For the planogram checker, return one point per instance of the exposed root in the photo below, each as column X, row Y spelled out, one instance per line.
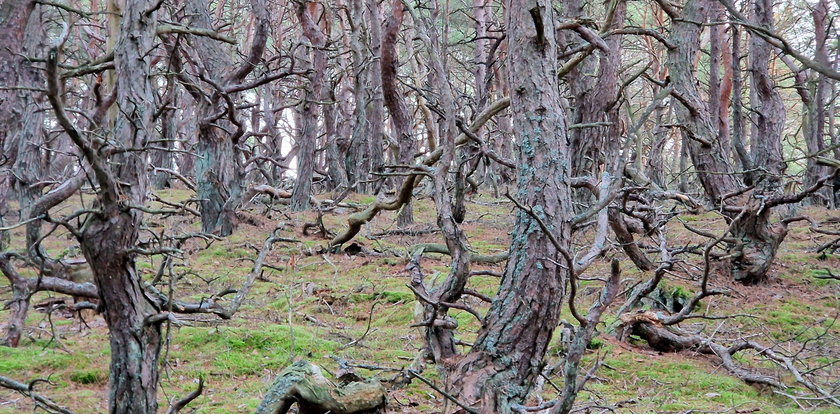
column 304, row 384
column 649, row 327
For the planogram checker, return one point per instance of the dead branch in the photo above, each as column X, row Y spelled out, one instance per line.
column 27, row 390
column 474, row 258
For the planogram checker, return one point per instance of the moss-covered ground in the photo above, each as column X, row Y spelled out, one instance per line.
column 315, row 306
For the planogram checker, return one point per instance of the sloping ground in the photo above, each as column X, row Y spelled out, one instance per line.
column 358, row 308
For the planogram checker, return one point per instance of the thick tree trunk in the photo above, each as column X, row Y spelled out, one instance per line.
column 595, row 100
column 109, row 236
column 308, row 14
column 21, row 122
column 21, row 136
column 135, row 341
column 215, row 169
column 376, row 107
column 757, row 240
column 218, row 172
column 699, row 133
column 395, row 100
column 217, row 162
column 508, row 353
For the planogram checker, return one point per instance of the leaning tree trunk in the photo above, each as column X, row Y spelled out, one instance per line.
column 508, row 353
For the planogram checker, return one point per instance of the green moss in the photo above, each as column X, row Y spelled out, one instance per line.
column 595, row 343
column 87, row 377
column 386, row 296
column 243, row 351
column 32, row 357
column 813, row 275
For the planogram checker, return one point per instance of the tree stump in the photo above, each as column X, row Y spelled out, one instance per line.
column 304, row 384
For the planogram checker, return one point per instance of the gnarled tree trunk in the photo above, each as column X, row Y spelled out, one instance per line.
column 394, row 99
column 308, row 15
column 218, row 170
column 508, row 353
column 756, row 239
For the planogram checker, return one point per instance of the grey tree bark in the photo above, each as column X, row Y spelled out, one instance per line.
column 218, row 172
column 109, row 236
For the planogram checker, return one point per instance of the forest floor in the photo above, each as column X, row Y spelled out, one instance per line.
column 358, row 307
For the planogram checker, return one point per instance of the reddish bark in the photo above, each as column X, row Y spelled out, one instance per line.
column 394, row 98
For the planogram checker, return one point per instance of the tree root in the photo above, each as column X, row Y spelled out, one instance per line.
column 649, row 327
column 304, row 384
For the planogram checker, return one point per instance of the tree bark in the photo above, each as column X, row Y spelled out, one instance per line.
column 358, row 160
column 20, row 122
column 508, row 353
column 302, row 383
column 218, row 170
column 756, row 238
column 108, row 236
column 376, row 107
column 164, row 157
column 395, row 100
column 308, row 14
